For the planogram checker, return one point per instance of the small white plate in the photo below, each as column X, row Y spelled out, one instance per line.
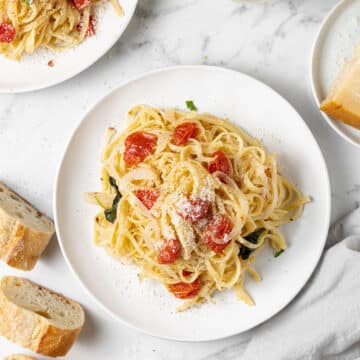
column 32, row 71
column 148, row 306
column 337, row 38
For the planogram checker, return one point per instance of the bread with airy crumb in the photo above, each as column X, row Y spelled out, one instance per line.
column 19, row 357
column 24, row 231
column 37, row 318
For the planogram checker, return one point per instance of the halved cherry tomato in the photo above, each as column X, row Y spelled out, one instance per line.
column 220, row 163
column 194, row 209
column 81, row 4
column 217, row 248
column 186, row 273
column 138, row 146
column 184, row 290
column 184, row 132
column 215, row 233
column 147, row 197
column 169, row 252
column 7, row 33
column 90, row 31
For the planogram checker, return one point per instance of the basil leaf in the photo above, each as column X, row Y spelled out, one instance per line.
column 279, row 252
column 110, row 214
column 190, row 105
column 253, row 238
column 112, row 182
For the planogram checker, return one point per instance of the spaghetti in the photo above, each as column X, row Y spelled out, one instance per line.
column 191, row 199
column 26, row 25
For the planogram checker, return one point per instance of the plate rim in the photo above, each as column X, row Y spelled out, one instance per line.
column 313, row 69
column 70, row 75
column 92, row 296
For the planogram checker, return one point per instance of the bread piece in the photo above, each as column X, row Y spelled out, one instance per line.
column 24, row 231
column 19, row 357
column 343, row 101
column 37, row 318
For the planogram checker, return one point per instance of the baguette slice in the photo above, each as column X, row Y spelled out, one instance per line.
column 24, row 231
column 19, row 357
column 37, row 318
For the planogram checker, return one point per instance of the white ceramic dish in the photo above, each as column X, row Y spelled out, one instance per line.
column 32, row 71
column 148, row 306
column 338, row 35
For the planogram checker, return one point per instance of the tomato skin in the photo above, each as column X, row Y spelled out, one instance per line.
column 184, row 132
column 194, row 210
column 215, row 233
column 217, row 248
column 169, row 252
column 147, row 197
column 184, row 290
column 7, row 33
column 90, row 31
column 81, row 4
column 138, row 146
column 220, row 163
column 186, row 273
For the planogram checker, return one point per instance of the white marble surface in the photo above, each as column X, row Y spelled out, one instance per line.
column 270, row 41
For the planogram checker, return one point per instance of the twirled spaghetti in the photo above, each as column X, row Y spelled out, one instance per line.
column 191, row 199
column 26, row 25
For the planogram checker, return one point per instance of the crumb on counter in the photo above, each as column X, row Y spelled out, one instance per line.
column 51, row 63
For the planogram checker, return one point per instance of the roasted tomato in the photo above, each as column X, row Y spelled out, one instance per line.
column 184, row 290
column 216, row 233
column 220, row 163
column 194, row 210
column 184, row 132
column 90, row 31
column 7, row 33
column 81, row 4
column 169, row 252
column 186, row 273
column 147, row 197
column 138, row 146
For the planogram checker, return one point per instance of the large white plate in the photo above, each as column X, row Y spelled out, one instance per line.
column 335, row 43
column 148, row 306
column 32, row 71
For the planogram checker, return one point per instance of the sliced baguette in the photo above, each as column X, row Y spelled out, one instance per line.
column 19, row 357
column 37, row 318
column 24, row 231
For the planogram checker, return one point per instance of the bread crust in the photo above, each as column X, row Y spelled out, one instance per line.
column 32, row 330
column 19, row 357
column 21, row 246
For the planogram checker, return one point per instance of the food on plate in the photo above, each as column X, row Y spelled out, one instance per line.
column 26, row 25
column 39, row 319
column 343, row 100
column 24, row 231
column 19, row 357
column 191, row 199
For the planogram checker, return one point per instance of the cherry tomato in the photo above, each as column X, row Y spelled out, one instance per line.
column 90, row 31
column 147, row 197
column 220, row 163
column 7, row 33
column 169, row 252
column 186, row 273
column 138, row 146
column 184, row 290
column 194, row 210
column 215, row 235
column 183, row 132
column 81, row 4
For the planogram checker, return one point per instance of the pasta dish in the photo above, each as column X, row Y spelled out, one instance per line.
column 191, row 199
column 26, row 25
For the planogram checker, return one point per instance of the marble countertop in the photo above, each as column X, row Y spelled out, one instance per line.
column 270, row 40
